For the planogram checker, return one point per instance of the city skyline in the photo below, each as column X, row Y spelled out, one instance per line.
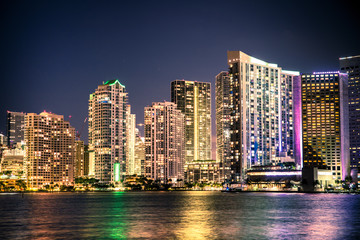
column 63, row 53
column 179, row 119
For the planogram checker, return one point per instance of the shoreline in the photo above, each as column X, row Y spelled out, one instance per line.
column 124, row 191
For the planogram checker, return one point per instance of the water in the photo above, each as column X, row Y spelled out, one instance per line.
column 179, row 215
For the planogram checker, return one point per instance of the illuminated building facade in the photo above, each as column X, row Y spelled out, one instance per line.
column 139, row 156
column 194, row 100
column 325, row 122
column 107, row 132
column 49, row 150
column 12, row 160
column 280, row 173
column 287, row 79
column 222, row 104
column 164, row 142
column 130, row 142
column 3, row 140
column 351, row 65
column 261, row 113
column 15, row 128
column 203, row 171
column 81, row 166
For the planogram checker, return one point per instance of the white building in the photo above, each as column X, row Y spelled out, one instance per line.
column 261, row 113
column 107, row 132
column 164, row 142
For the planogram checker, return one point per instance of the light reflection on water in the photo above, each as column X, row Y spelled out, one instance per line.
column 179, row 215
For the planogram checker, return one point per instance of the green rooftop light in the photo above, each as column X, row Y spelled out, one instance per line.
column 112, row 82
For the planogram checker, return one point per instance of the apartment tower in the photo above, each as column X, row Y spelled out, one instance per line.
column 194, row 100
column 49, row 150
column 164, row 142
column 81, row 166
column 130, row 142
column 222, row 104
column 107, row 131
column 261, row 113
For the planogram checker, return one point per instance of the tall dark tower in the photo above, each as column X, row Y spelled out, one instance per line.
column 15, row 127
column 351, row 65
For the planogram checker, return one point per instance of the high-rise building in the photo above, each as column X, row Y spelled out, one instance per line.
column 139, row 154
column 79, row 163
column 49, row 150
column 107, row 132
column 287, row 79
column 222, row 94
column 351, row 65
column 260, row 97
column 130, row 142
column 164, row 142
column 86, row 160
column 194, row 100
column 15, row 128
column 325, row 119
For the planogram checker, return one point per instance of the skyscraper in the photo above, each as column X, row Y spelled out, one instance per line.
column 49, row 150
column 194, row 100
column 351, row 65
column 139, row 156
column 287, row 79
column 107, row 131
column 130, row 142
column 79, row 163
column 222, row 103
column 164, row 142
column 15, row 127
column 325, row 122
column 260, row 96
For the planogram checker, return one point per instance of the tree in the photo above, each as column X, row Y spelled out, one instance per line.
column 80, row 180
column 189, row 185
column 21, row 185
column 2, row 186
column 348, row 179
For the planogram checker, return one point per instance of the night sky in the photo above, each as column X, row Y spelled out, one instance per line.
column 55, row 53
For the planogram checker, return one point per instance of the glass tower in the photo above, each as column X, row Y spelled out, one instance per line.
column 261, row 113
column 222, row 94
column 15, row 128
column 351, row 65
column 194, row 100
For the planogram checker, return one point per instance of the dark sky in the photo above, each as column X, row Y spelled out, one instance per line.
column 55, row 53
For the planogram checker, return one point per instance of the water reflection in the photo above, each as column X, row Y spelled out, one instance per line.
column 197, row 219
column 117, row 223
column 179, row 215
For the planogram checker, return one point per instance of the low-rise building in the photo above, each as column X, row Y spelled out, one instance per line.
column 204, row 171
